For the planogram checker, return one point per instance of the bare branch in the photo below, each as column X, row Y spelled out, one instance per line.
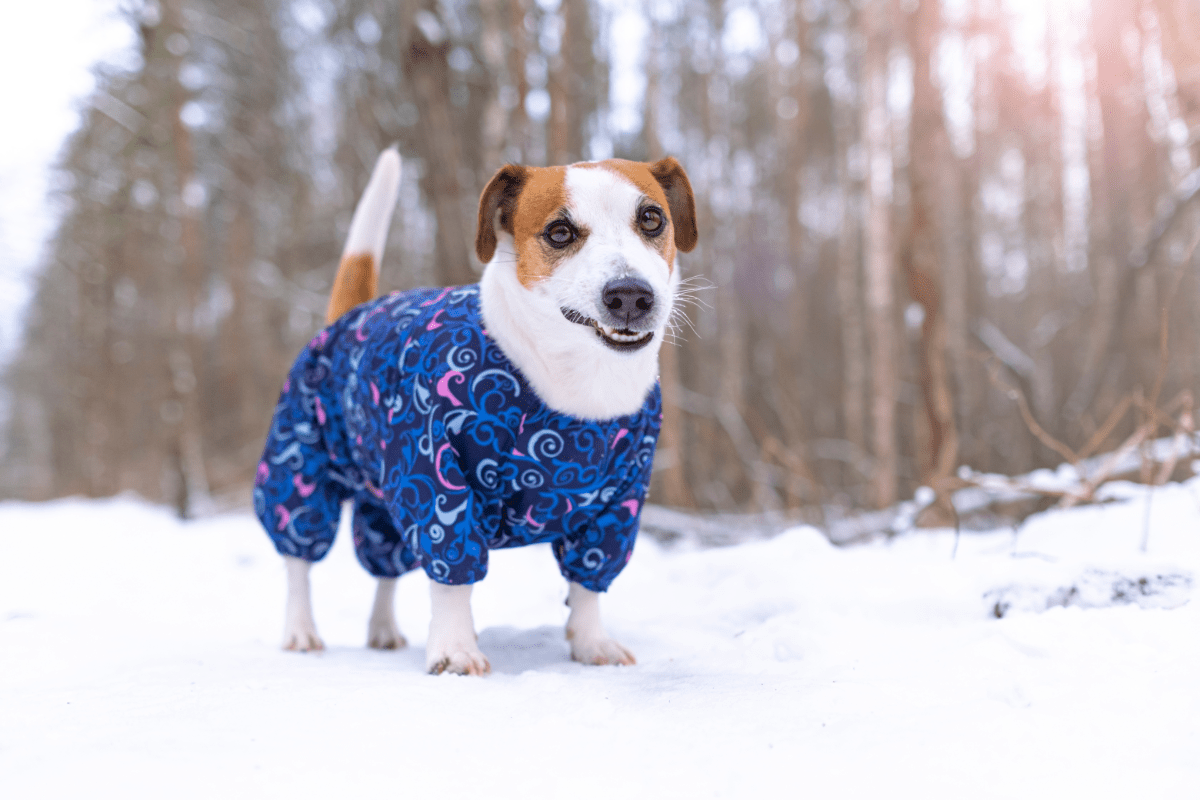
column 993, row 368
column 1104, row 431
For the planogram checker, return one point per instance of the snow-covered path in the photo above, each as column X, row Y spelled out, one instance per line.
column 139, row 658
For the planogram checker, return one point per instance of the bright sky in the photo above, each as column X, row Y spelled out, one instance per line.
column 47, row 50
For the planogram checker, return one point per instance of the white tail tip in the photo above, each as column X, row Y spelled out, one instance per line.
column 369, row 227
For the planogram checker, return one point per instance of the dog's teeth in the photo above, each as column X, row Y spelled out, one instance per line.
column 617, row 336
column 621, row 336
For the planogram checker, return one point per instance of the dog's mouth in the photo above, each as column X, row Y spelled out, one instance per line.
column 622, row 340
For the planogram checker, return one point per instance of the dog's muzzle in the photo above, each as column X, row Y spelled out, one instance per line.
column 626, row 314
column 623, row 340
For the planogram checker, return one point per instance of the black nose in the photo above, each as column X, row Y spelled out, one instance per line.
column 626, row 301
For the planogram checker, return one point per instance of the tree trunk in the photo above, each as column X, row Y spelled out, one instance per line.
column 441, row 151
column 849, row 287
column 518, row 55
column 878, row 257
column 1116, row 200
column 492, row 48
column 928, row 164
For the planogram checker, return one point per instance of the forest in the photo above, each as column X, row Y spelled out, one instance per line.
column 938, row 240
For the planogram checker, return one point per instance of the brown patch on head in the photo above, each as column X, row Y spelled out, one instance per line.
column 527, row 199
column 675, row 185
column 545, row 195
column 356, row 282
column 500, row 195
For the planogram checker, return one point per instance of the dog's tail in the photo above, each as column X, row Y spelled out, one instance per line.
column 357, row 278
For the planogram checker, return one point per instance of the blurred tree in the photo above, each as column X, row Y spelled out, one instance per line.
column 1028, row 174
column 879, row 255
column 930, row 178
column 1124, row 190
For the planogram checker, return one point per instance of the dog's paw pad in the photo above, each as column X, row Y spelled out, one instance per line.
column 385, row 637
column 387, row 642
column 459, row 662
column 601, row 651
column 302, row 641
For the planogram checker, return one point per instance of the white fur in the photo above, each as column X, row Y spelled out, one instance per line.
column 590, row 642
column 382, row 631
column 568, row 366
column 299, row 629
column 452, row 645
column 369, row 226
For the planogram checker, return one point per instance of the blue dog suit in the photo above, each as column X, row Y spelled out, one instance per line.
column 406, row 406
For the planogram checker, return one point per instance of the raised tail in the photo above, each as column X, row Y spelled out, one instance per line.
column 357, row 278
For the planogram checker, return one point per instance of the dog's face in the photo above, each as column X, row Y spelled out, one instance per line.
column 597, row 239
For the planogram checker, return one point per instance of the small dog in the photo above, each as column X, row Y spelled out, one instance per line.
column 523, row 409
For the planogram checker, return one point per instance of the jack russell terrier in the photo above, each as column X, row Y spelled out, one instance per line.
column 523, row 409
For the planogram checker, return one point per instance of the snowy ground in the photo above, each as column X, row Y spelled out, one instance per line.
column 139, row 658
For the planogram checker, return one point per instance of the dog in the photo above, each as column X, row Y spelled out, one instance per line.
column 518, row 410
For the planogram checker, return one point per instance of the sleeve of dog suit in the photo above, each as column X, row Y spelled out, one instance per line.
column 594, row 557
column 298, row 486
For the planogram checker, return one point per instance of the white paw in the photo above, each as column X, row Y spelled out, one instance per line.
column 451, row 646
column 461, row 659
column 302, row 637
column 599, row 650
column 384, row 635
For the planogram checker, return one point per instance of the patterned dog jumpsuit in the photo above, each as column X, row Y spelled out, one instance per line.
column 407, row 407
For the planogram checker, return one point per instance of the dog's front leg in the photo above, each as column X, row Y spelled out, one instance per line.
column 299, row 629
column 590, row 643
column 452, row 645
column 382, row 631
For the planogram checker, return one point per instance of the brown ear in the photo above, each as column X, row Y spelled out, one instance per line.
column 500, row 196
column 678, row 189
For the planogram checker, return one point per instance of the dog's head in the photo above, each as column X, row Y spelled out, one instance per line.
column 597, row 239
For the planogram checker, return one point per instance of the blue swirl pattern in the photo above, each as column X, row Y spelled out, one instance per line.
column 406, row 407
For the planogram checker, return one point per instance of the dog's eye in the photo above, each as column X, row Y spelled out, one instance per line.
column 650, row 220
column 560, row 234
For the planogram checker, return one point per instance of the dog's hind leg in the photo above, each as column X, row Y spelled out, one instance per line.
column 452, row 645
column 590, row 643
column 299, row 629
column 381, row 550
column 382, row 631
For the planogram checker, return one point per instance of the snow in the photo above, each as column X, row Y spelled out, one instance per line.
column 139, row 657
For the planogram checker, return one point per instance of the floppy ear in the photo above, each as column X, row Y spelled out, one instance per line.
column 678, row 189
column 500, row 196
